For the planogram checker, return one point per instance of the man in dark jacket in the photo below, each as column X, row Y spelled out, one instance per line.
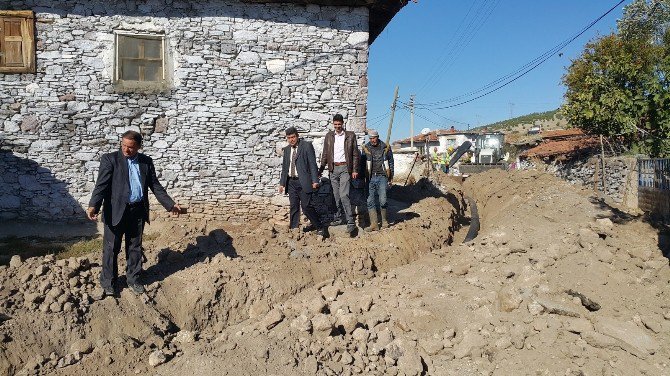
column 122, row 188
column 341, row 155
column 299, row 178
column 379, row 167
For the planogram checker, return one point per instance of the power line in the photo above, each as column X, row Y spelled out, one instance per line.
column 508, row 79
column 481, row 16
column 409, row 105
column 455, row 37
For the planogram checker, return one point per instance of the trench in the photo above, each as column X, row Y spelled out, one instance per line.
column 251, row 284
column 209, row 277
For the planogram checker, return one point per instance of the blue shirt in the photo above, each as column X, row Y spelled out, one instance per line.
column 135, row 180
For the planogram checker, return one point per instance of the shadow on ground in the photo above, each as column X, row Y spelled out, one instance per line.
column 170, row 261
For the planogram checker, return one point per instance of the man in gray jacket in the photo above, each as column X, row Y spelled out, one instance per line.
column 341, row 155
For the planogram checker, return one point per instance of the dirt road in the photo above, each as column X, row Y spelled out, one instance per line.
column 555, row 283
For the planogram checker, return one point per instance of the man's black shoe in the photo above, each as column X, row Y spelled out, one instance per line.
column 108, row 291
column 337, row 222
column 309, row 228
column 137, row 288
column 323, row 232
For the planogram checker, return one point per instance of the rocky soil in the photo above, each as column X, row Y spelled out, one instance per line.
column 555, row 283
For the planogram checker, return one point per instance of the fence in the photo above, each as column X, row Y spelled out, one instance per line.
column 654, row 187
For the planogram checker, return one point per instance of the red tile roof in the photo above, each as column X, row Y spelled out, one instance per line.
column 432, row 136
column 562, row 133
column 567, row 147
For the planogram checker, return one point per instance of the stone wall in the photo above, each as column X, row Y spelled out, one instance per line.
column 655, row 202
column 620, row 177
column 240, row 74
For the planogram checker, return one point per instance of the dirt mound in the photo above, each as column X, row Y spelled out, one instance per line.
column 555, row 283
column 202, row 279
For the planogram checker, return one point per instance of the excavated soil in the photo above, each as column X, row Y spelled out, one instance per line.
column 556, row 283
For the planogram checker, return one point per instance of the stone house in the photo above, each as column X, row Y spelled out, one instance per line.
column 211, row 84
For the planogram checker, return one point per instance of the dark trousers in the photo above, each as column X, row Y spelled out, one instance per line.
column 298, row 198
column 130, row 228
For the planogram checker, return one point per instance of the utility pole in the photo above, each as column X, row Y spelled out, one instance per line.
column 511, row 110
column 395, row 100
column 411, row 121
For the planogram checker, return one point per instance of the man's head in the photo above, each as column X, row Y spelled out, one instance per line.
column 435, row 149
column 374, row 137
column 338, row 123
column 292, row 136
column 131, row 142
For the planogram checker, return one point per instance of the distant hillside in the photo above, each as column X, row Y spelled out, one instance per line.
column 548, row 120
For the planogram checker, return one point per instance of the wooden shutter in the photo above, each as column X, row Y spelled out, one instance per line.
column 17, row 41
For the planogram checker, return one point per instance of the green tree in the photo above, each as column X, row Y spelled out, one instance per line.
column 647, row 20
column 619, row 86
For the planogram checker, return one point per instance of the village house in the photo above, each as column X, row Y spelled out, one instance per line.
column 211, row 84
column 443, row 139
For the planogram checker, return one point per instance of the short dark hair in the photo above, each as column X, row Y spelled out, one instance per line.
column 338, row 117
column 291, row 131
column 132, row 135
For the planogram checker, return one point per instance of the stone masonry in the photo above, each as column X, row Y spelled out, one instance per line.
column 239, row 75
column 620, row 176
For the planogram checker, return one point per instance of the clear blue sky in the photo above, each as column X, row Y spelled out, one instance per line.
column 440, row 49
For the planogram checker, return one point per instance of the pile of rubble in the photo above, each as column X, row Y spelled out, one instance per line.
column 556, row 283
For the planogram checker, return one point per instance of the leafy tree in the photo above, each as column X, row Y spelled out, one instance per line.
column 646, row 20
column 619, row 87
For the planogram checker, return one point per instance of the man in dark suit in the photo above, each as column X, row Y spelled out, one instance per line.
column 299, row 178
column 122, row 188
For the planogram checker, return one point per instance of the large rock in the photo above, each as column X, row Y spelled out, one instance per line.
column 185, row 336
column 410, row 363
column 15, row 261
column 471, row 340
column 83, row 346
column 157, row 358
column 588, row 239
column 330, row 293
column 432, row 345
column 631, row 338
column 302, row 323
column 322, row 324
column 599, row 340
column 315, row 116
column 347, row 321
column 273, row 318
column 357, row 38
column 508, row 299
column 557, row 308
column 577, row 325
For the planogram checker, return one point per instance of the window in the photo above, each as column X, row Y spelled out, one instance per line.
column 140, row 60
column 17, row 41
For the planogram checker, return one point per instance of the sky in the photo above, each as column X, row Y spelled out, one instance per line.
column 444, row 49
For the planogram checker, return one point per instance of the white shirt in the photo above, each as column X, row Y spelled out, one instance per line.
column 338, row 149
column 291, row 165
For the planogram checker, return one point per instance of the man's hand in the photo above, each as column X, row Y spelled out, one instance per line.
column 176, row 209
column 91, row 214
column 315, row 185
column 280, row 189
column 354, row 175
